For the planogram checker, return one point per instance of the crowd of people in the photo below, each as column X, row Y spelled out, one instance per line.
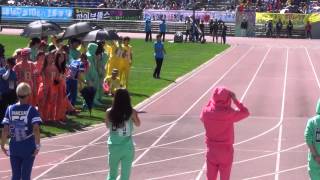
column 57, row 72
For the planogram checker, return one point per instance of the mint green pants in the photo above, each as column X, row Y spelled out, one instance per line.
column 314, row 170
column 120, row 154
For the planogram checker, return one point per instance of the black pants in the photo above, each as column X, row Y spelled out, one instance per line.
column 215, row 36
column 156, row 73
column 187, row 35
column 148, row 36
column 163, row 35
column 308, row 34
column 7, row 99
column 223, row 39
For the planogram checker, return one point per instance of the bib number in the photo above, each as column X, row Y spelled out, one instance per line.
column 318, row 135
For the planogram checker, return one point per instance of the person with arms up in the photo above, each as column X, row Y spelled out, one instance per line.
column 22, row 123
column 218, row 118
column 120, row 119
column 159, row 52
column 312, row 137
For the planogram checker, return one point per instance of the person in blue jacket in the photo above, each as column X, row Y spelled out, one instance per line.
column 148, row 30
column 163, row 29
column 22, row 122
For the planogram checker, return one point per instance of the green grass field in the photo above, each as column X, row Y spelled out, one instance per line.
column 180, row 59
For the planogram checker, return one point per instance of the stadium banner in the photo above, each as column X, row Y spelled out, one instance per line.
column 314, row 18
column 107, row 14
column 298, row 20
column 32, row 13
column 249, row 16
column 182, row 15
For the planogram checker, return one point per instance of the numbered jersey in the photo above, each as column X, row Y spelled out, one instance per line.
column 24, row 71
column 20, row 119
column 121, row 135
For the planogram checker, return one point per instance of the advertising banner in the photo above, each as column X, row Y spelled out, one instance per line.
column 182, row 15
column 32, row 13
column 298, row 20
column 107, row 14
column 248, row 16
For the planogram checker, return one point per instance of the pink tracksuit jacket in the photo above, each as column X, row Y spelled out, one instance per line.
column 218, row 118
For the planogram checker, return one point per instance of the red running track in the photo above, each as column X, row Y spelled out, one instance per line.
column 276, row 78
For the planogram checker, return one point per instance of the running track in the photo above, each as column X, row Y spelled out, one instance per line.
column 277, row 80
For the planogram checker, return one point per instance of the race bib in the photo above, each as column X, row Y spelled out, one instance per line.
column 19, row 127
column 123, row 131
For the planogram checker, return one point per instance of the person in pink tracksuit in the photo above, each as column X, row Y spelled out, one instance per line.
column 218, row 118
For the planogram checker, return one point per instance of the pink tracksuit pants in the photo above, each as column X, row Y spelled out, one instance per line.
column 219, row 159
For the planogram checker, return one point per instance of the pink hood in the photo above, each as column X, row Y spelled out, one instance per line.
column 218, row 117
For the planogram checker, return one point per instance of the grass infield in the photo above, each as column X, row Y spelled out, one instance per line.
column 180, row 59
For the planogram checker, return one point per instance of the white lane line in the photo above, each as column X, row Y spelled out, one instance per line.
column 312, row 66
column 281, row 118
column 243, row 96
column 280, row 172
column 194, row 104
column 169, row 159
column 184, row 78
column 173, row 175
column 70, row 156
column 201, row 171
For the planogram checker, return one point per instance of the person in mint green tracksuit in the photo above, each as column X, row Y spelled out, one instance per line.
column 120, row 119
column 312, row 136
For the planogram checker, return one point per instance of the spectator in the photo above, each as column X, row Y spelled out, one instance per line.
column 120, row 119
column 202, row 35
column 279, row 28
column 215, row 30
column 127, row 62
column 73, row 50
column 269, row 28
column 24, row 135
column 113, row 82
column 8, row 80
column 289, row 28
column 75, row 69
column 308, row 28
column 163, row 29
column 211, row 26
column 34, row 46
column 224, row 33
column 159, row 52
column 244, row 27
column 24, row 71
column 148, row 30
column 218, row 118
column 188, row 29
column 2, row 56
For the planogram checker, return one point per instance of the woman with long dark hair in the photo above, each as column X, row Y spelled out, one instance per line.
column 120, row 119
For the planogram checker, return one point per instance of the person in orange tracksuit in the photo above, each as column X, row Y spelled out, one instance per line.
column 24, row 71
column 61, row 102
column 125, row 62
column 45, row 92
column 218, row 118
column 37, row 72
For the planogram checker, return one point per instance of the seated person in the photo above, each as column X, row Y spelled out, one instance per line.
column 113, row 82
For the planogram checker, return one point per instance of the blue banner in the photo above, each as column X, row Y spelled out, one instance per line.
column 32, row 13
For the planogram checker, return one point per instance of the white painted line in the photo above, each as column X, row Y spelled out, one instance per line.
column 173, row 175
column 201, row 171
column 169, row 159
column 312, row 66
column 191, row 107
column 281, row 118
column 243, row 95
column 184, row 78
column 70, row 156
column 280, row 172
